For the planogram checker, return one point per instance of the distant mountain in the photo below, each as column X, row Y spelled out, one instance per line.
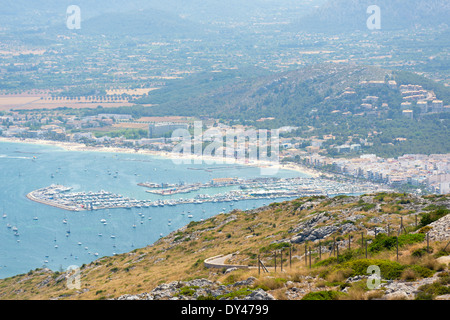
column 142, row 22
column 46, row 13
column 351, row 15
column 321, row 15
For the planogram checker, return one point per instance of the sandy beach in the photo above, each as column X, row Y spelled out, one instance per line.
column 73, row 146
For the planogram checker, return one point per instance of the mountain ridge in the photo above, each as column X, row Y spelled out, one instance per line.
column 351, row 15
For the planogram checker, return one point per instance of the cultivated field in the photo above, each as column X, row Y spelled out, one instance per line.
column 35, row 102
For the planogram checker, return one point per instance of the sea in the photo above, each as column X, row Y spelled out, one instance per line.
column 49, row 237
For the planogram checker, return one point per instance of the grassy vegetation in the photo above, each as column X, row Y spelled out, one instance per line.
column 440, row 287
column 384, row 242
column 433, row 215
column 248, row 234
column 323, row 295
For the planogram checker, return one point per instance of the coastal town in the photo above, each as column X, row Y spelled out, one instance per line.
column 428, row 173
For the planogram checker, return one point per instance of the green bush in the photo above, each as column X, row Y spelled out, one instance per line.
column 388, row 269
column 326, row 262
column 419, row 253
column 236, row 294
column 368, row 207
column 424, row 296
column 187, row 291
column 431, row 290
column 383, row 242
column 323, row 295
column 432, row 216
column 421, row 271
column 208, row 297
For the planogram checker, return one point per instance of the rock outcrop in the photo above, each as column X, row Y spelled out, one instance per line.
column 201, row 288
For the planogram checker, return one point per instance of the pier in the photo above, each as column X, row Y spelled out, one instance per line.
column 249, row 189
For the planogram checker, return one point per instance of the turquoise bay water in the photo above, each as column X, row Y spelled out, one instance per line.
column 49, row 242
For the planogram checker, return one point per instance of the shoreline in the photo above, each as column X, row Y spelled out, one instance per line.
column 74, row 146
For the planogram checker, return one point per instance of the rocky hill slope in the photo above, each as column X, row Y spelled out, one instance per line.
column 342, row 237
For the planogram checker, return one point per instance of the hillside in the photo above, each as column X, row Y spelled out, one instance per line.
column 322, row 99
column 173, row 267
column 287, row 95
column 253, row 93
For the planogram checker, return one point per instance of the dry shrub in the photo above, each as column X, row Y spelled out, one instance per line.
column 374, row 294
column 321, row 284
column 408, row 275
column 234, row 276
column 280, row 294
column 430, row 263
column 339, row 275
column 270, row 283
column 355, row 292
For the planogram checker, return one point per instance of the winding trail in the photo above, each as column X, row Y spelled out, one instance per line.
column 219, row 262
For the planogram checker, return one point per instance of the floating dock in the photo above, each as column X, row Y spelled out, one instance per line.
column 260, row 188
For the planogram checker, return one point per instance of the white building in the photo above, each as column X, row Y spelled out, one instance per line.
column 162, row 128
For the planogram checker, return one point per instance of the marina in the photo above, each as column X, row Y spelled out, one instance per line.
column 118, row 215
column 247, row 189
